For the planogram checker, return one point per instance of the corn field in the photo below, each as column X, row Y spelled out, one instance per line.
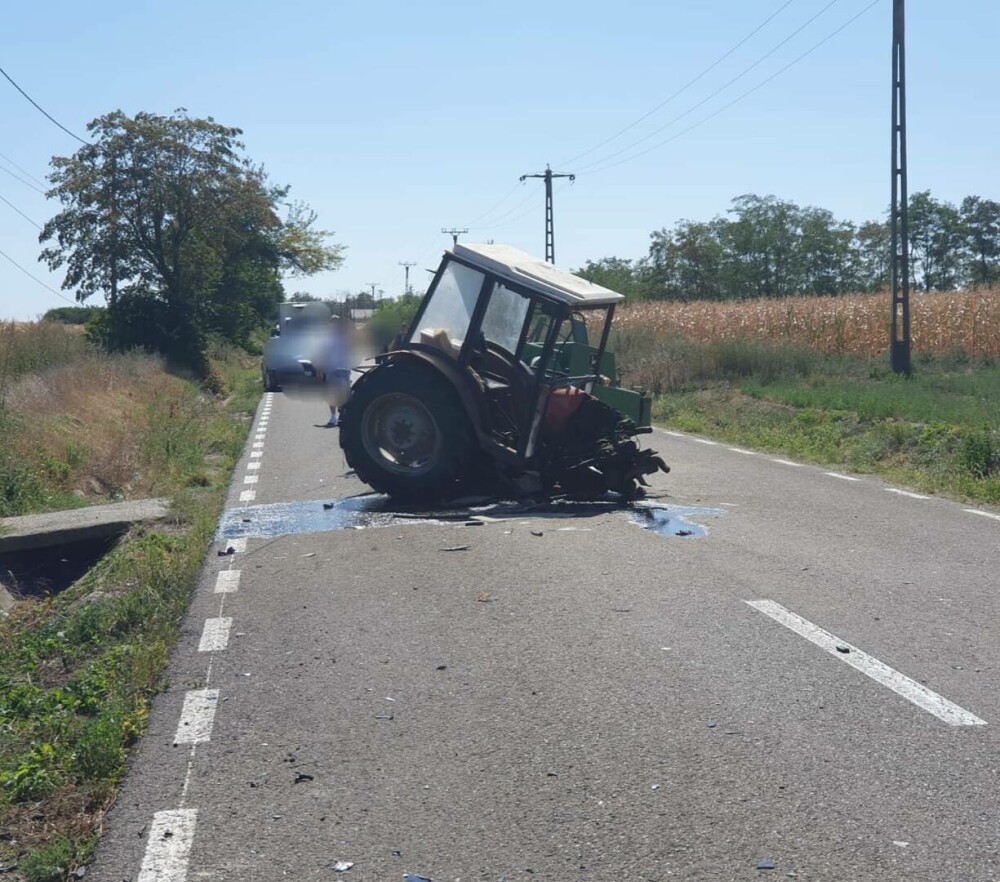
column 940, row 322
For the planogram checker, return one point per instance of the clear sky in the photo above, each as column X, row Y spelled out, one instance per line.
column 394, row 119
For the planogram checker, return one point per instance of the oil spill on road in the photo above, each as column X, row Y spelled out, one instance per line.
column 373, row 510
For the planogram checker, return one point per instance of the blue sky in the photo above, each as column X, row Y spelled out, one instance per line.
column 394, row 119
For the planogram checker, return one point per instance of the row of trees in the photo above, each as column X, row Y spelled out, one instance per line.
column 183, row 236
column 769, row 247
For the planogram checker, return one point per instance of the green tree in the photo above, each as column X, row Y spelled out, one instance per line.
column 165, row 217
column 937, row 242
column 873, row 248
column 688, row 262
column 981, row 220
column 624, row 276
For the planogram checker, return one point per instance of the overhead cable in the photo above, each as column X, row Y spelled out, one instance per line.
column 685, row 87
column 705, row 100
column 35, row 278
column 26, row 183
column 597, row 167
column 18, row 210
column 6, row 158
column 38, row 107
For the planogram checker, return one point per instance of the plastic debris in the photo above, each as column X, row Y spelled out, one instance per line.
column 415, row 877
column 328, row 505
column 900, row 843
column 302, row 776
column 765, row 865
column 537, row 533
column 456, row 548
column 843, row 649
column 484, row 597
column 343, row 866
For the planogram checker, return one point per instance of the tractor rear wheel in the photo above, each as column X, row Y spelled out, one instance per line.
column 405, row 433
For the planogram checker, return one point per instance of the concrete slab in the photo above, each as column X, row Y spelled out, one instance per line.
column 78, row 524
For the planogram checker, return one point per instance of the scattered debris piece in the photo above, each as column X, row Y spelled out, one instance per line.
column 684, row 533
column 328, row 505
column 537, row 533
column 712, row 725
column 310, row 554
column 843, row 649
column 342, row 866
column 442, row 667
column 229, row 550
column 621, row 609
column 456, row 548
column 474, row 524
column 765, row 865
column 655, row 787
column 484, row 597
column 302, row 776
column 385, row 716
column 900, row 843
column 415, row 877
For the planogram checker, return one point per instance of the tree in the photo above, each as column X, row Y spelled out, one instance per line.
column 981, row 220
column 937, row 242
column 873, row 246
column 180, row 232
column 621, row 275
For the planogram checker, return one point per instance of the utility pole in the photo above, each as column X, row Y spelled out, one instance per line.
column 899, row 349
column 373, row 284
column 406, row 264
column 454, row 233
column 550, row 237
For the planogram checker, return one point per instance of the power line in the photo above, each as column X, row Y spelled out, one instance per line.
column 705, row 101
column 38, row 107
column 22, row 180
column 686, row 86
column 6, row 158
column 600, row 168
column 35, row 278
column 18, row 210
column 493, row 208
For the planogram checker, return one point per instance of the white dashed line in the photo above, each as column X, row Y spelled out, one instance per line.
column 741, row 450
column 787, row 462
column 842, row 477
column 674, row 434
column 248, row 496
column 168, row 846
column 227, row 582
column 899, row 683
column 197, row 716
column 985, row 514
column 256, row 454
column 257, row 444
column 706, row 441
column 215, row 635
column 253, row 465
column 906, row 493
column 251, row 479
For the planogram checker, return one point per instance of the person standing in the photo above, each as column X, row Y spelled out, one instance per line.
column 334, row 362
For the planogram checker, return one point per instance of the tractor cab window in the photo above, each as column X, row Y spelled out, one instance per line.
column 504, row 318
column 445, row 321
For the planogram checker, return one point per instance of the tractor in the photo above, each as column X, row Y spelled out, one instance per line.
column 496, row 388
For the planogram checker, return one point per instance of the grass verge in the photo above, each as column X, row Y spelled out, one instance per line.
column 78, row 670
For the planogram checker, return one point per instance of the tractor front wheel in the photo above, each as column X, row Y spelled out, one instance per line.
column 406, row 434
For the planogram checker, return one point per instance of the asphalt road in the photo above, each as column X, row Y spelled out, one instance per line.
column 810, row 690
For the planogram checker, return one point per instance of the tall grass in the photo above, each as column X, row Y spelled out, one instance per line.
column 858, row 325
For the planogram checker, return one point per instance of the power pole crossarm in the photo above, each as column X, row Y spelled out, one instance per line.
column 406, row 264
column 550, row 236
column 454, row 232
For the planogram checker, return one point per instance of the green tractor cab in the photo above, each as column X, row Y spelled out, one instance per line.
column 497, row 383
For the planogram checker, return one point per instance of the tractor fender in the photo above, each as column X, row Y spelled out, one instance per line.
column 462, row 381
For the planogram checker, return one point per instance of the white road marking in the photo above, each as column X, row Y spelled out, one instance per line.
column 674, row 434
column 842, row 477
column 257, row 444
column 899, row 683
column 248, row 496
column 227, row 582
column 253, row 465
column 215, row 635
column 906, row 493
column 197, row 716
column 168, row 846
column 706, row 441
column 741, row 450
column 985, row 514
column 256, row 454
column 787, row 462
column 251, row 479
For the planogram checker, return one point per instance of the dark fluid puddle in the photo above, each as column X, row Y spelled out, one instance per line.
column 373, row 510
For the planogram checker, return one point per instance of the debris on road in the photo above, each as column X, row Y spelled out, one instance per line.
column 302, row 776
column 456, row 548
column 843, row 649
column 765, row 865
column 342, row 866
column 484, row 597
column 415, row 877
column 537, row 533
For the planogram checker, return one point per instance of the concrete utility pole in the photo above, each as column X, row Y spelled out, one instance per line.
column 454, row 233
column 373, row 284
column 899, row 348
column 550, row 236
column 405, row 264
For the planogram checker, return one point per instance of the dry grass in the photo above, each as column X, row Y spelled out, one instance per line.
column 26, row 347
column 942, row 323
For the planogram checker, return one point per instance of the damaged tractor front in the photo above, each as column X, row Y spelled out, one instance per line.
column 496, row 387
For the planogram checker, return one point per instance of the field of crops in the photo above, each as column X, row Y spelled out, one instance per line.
column 942, row 323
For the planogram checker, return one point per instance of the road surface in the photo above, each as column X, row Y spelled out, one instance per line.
column 808, row 690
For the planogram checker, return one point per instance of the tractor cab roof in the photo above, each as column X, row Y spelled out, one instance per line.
column 531, row 272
